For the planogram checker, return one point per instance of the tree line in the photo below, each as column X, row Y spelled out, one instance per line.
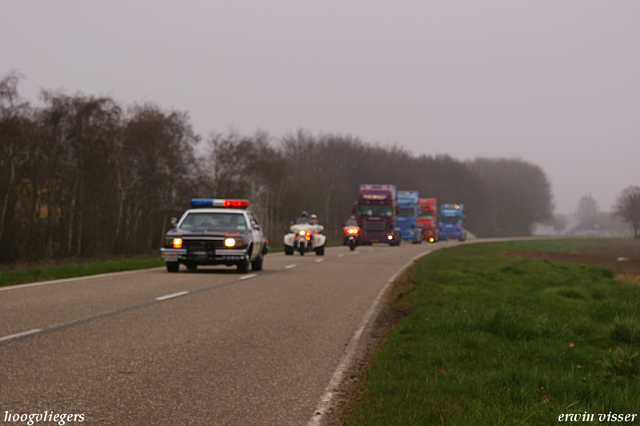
column 86, row 176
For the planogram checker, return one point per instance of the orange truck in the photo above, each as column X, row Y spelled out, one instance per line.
column 428, row 219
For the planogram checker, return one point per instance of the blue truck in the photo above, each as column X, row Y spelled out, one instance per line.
column 451, row 222
column 409, row 210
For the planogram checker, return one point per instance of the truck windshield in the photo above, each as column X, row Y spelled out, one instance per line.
column 449, row 220
column 426, row 215
column 375, row 210
column 216, row 222
column 407, row 212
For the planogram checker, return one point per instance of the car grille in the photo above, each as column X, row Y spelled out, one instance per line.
column 203, row 245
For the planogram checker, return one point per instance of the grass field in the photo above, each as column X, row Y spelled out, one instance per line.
column 498, row 340
column 71, row 270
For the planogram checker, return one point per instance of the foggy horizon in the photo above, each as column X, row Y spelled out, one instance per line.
column 552, row 84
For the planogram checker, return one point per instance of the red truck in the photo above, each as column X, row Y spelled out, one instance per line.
column 428, row 219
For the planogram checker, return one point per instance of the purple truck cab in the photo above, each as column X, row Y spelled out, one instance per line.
column 377, row 212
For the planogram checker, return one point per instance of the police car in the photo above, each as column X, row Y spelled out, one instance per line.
column 215, row 232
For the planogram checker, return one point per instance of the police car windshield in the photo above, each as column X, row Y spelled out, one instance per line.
column 220, row 222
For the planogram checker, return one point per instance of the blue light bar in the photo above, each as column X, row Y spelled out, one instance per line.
column 201, row 202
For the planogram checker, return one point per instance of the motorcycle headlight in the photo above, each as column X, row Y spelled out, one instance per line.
column 301, row 232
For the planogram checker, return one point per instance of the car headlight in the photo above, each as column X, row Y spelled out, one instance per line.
column 229, row 242
column 177, row 243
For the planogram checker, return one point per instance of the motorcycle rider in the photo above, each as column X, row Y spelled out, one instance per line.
column 351, row 221
column 304, row 218
column 314, row 220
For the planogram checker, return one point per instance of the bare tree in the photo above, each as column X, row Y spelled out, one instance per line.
column 587, row 214
column 10, row 112
column 15, row 133
column 559, row 223
column 157, row 169
column 627, row 207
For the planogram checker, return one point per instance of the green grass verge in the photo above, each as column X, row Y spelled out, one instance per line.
column 498, row 340
column 71, row 270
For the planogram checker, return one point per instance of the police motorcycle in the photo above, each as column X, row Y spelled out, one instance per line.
column 305, row 236
column 352, row 236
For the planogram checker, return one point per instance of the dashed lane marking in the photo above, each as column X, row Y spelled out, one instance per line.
column 172, row 295
column 246, row 277
column 32, row 333
column 24, row 333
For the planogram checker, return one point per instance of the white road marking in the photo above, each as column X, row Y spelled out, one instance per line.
column 246, row 277
column 290, row 266
column 24, row 333
column 319, row 260
column 169, row 296
column 340, row 255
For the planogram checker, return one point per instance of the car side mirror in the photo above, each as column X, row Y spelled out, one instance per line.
column 174, row 221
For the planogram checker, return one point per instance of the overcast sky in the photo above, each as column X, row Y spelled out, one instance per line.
column 556, row 83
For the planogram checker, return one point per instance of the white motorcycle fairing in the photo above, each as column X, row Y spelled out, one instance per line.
column 316, row 241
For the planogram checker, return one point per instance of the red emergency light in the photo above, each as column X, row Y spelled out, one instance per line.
column 239, row 204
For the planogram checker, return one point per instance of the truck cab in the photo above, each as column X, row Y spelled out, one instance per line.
column 428, row 219
column 409, row 209
column 452, row 222
column 376, row 212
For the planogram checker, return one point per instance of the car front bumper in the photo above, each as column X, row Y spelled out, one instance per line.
column 219, row 257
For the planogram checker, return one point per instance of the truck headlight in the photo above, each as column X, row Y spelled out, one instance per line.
column 177, row 243
column 229, row 242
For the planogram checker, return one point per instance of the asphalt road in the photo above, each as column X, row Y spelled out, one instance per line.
column 211, row 347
